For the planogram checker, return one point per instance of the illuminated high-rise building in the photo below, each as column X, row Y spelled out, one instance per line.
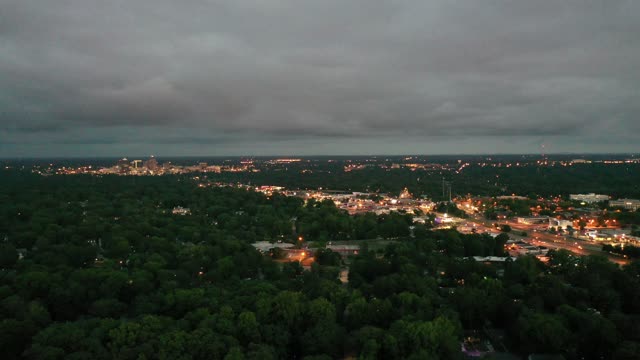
column 151, row 164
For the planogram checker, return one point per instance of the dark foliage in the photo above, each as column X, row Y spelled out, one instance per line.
column 99, row 267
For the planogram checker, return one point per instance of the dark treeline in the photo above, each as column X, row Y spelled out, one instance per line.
column 618, row 180
column 628, row 250
column 107, row 271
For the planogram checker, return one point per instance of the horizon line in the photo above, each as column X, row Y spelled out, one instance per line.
column 64, row 157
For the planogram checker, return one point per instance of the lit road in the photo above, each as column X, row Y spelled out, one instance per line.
column 542, row 238
column 578, row 246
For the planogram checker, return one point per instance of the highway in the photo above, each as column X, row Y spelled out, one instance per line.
column 543, row 238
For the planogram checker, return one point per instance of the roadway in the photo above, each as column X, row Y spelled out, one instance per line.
column 543, row 238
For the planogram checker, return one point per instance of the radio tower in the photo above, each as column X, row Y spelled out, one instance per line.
column 446, row 186
column 543, row 160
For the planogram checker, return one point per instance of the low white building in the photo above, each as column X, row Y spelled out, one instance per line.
column 179, row 210
column 589, row 198
column 560, row 224
column 493, row 258
column 512, row 197
column 532, row 220
column 265, row 246
column 629, row 204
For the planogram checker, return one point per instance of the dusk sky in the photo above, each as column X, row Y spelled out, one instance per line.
column 296, row 77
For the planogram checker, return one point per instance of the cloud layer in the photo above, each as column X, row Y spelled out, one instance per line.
column 317, row 76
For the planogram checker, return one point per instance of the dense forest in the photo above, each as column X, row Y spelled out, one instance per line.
column 100, row 268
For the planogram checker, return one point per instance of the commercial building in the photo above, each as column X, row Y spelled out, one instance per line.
column 532, row 220
column 589, row 198
column 345, row 250
column 179, row 210
column 560, row 224
column 151, row 164
column 512, row 197
column 629, row 204
column 265, row 246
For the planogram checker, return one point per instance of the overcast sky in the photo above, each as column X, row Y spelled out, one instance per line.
column 268, row 77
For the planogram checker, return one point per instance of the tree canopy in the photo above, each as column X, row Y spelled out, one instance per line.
column 100, row 267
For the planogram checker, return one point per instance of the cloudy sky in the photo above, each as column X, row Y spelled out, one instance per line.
column 269, row 77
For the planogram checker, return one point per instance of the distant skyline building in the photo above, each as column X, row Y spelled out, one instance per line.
column 123, row 165
column 151, row 164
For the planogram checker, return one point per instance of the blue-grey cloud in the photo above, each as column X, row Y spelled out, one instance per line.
column 353, row 74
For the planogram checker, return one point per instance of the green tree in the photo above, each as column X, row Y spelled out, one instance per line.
column 248, row 328
column 8, row 256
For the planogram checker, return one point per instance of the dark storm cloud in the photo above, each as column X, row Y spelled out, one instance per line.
column 215, row 72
